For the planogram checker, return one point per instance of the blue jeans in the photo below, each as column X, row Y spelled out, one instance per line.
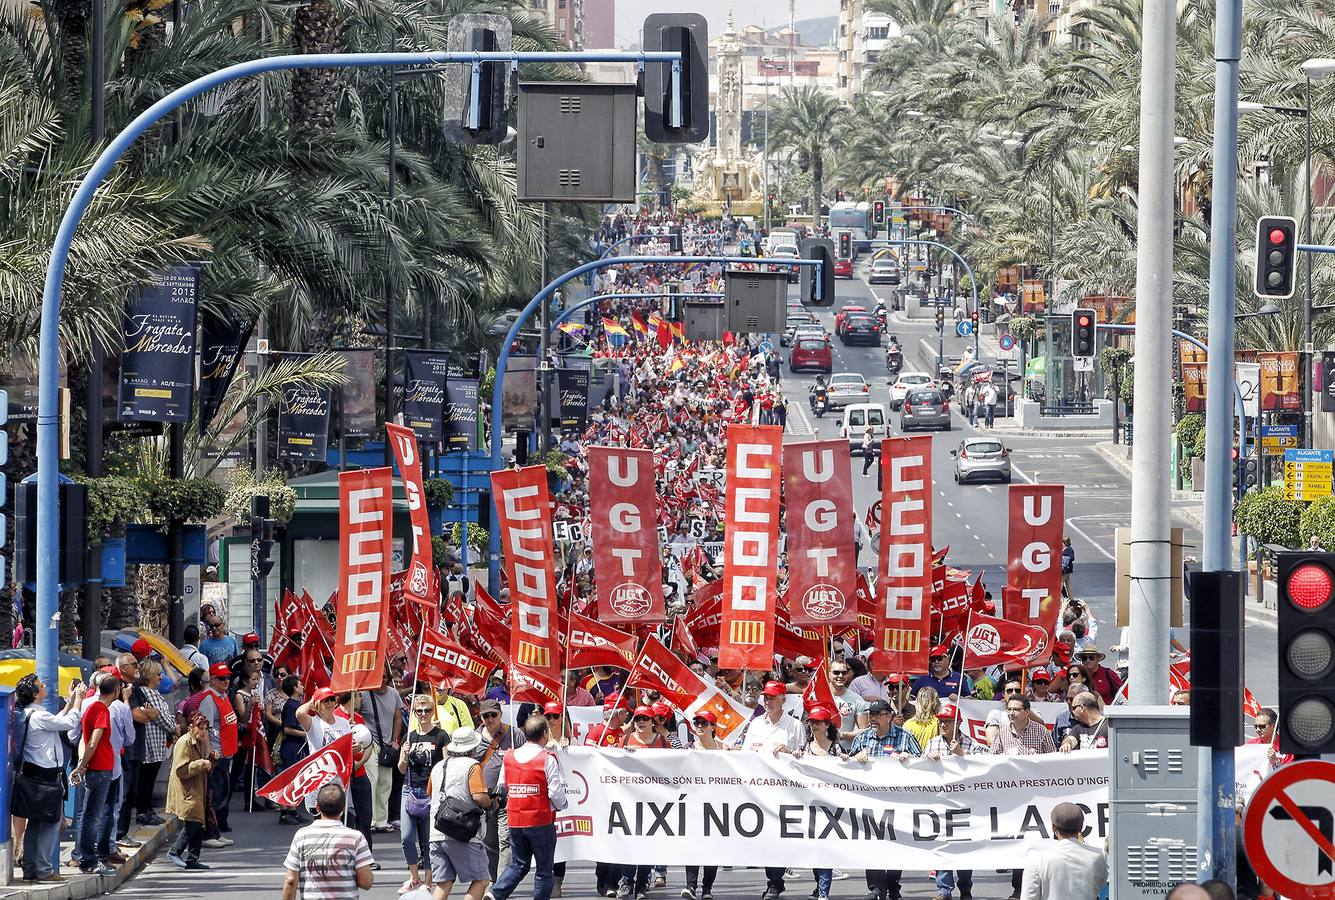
column 95, row 819
column 40, row 841
column 416, row 831
column 527, row 846
column 824, row 877
column 946, row 881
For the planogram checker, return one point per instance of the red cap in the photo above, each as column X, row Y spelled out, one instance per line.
column 553, row 709
column 141, row 648
column 821, row 714
column 110, row 670
column 948, row 711
column 661, row 709
column 322, row 694
column 896, row 678
column 250, row 640
column 939, row 650
column 220, row 670
column 989, row 607
column 616, row 701
column 645, row 711
column 1040, row 674
column 774, row 689
column 706, row 715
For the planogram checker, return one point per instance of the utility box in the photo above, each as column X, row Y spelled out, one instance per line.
column 577, row 141
column 705, row 320
column 757, row 302
column 1153, row 797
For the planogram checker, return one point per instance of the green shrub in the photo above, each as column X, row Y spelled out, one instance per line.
column 114, row 502
column 242, row 486
column 439, row 493
column 1319, row 519
column 1268, row 518
column 477, row 536
column 184, row 499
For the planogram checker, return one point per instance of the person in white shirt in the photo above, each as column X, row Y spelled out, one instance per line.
column 1068, row 868
column 776, row 733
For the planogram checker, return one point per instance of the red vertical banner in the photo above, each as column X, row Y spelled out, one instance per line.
column 822, row 571
column 750, row 547
column 365, row 526
column 1034, row 555
column 524, row 516
column 417, row 586
column 623, row 511
column 904, row 580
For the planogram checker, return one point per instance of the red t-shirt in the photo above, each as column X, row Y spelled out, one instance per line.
column 99, row 716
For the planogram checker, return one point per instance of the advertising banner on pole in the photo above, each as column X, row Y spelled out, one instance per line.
column 157, row 380
column 822, row 570
column 417, row 585
column 303, row 421
column 750, row 542
column 623, row 511
column 573, row 387
column 222, row 345
column 904, row 579
column 460, row 425
column 365, row 504
column 1034, row 550
column 424, row 375
column 359, row 394
column 1279, row 380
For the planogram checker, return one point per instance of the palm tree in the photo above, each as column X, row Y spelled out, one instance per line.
column 809, row 122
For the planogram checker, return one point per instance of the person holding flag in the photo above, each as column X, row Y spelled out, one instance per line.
column 852, row 709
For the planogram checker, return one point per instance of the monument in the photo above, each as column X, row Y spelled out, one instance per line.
column 728, row 176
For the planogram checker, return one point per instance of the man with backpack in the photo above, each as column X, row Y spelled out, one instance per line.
column 459, row 797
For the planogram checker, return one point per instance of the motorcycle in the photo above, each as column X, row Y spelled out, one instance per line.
column 819, row 403
column 894, row 359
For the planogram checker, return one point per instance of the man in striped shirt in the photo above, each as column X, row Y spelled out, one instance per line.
column 328, row 860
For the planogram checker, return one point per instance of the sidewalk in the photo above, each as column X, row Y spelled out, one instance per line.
column 80, row 886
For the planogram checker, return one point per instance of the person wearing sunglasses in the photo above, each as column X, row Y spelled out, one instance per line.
column 559, row 731
column 419, row 754
column 704, row 725
column 852, row 709
column 497, row 737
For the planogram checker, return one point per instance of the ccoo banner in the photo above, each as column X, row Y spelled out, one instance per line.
column 750, row 544
column 623, row 510
column 157, row 380
column 365, row 505
column 424, row 375
column 222, row 345
column 303, row 421
column 904, row 581
column 573, row 387
column 822, row 571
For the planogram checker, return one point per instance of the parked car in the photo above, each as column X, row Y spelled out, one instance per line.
column 883, row 271
column 810, row 353
column 848, row 387
column 925, row 409
column 863, row 328
column 982, row 459
column 843, row 268
column 858, row 418
column 906, row 382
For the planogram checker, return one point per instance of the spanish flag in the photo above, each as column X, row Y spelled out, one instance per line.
column 611, row 327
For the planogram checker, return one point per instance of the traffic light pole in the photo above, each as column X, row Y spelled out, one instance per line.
column 973, row 282
column 47, row 624
column 569, row 312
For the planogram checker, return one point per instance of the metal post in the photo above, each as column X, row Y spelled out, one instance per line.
column 1306, row 357
column 392, row 139
column 544, row 369
column 1150, row 549
column 765, row 155
column 176, row 537
column 1215, row 824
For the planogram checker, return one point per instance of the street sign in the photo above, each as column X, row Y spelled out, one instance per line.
column 1006, row 342
column 1279, row 431
column 964, row 328
column 1289, row 830
column 1307, row 473
column 1310, row 456
column 1082, row 364
column 1276, row 446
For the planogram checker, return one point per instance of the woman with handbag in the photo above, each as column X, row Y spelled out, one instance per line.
column 458, row 798
column 159, row 736
column 424, row 748
column 39, row 782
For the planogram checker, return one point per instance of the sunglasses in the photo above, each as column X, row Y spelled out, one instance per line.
column 1012, row 690
column 700, row 723
column 839, row 672
column 1261, row 726
column 491, row 715
column 642, row 719
column 426, row 711
column 552, row 716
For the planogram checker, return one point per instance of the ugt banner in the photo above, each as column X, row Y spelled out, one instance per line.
column 822, row 570
column 366, row 515
column 1034, row 551
column 223, row 344
column 904, row 581
column 303, row 421
column 294, row 784
column 157, row 381
column 713, row 807
column 524, row 516
column 623, row 511
column 424, row 375
column 417, row 586
column 750, row 544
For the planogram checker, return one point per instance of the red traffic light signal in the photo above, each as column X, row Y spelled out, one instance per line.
column 1306, row 653
column 1276, row 256
column 845, row 245
column 1083, row 326
column 878, row 212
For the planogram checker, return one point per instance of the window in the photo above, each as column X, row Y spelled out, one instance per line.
column 856, row 418
column 878, row 32
column 875, row 416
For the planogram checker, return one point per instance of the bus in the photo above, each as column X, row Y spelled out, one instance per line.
column 855, row 218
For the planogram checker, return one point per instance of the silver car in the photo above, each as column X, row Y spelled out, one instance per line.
column 847, row 387
column 884, row 271
column 982, row 459
column 925, row 409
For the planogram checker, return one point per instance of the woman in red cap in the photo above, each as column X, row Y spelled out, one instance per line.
column 823, row 740
column 560, row 732
column 665, row 725
column 642, row 735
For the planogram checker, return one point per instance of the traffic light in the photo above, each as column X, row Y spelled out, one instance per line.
column 878, row 212
column 73, row 512
column 1306, row 652
column 1216, row 659
column 973, row 318
column 845, row 245
column 477, row 116
column 1276, row 256
column 676, row 31
column 1250, row 473
column 261, row 537
column 818, row 281
column 1082, row 333
column 1236, row 466
column 940, row 317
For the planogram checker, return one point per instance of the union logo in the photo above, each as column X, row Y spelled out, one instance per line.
column 823, row 601
column 984, row 639
column 629, row 600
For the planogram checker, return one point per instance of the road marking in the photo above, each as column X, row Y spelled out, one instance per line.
column 959, row 516
column 948, row 502
column 1070, row 523
column 802, row 416
column 1018, row 471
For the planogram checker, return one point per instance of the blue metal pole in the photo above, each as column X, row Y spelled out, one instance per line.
column 503, row 358
column 48, row 411
column 973, row 282
column 569, row 312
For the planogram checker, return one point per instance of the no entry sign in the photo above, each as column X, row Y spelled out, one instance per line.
column 1289, row 830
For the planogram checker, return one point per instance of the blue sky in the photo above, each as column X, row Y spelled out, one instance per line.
column 770, row 13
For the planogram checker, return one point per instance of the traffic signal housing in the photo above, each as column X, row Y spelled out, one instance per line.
column 72, row 499
column 940, row 317
column 878, row 213
column 484, row 118
column 1216, row 659
column 1306, row 652
column 1276, row 256
column 676, row 31
column 1083, row 325
column 845, row 245
column 817, row 281
column 973, row 318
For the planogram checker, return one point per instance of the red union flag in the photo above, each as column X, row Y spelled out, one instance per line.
column 524, row 515
column 294, row 784
column 750, row 544
column 657, row 669
column 591, row 643
column 904, row 582
column 822, row 573
column 623, row 508
column 818, row 691
column 442, row 660
column 990, row 641
column 1034, row 546
column 529, row 685
column 365, row 523
column 417, row 586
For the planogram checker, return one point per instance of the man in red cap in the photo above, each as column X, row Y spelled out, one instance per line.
column 215, row 706
column 774, row 732
column 141, row 649
column 943, row 679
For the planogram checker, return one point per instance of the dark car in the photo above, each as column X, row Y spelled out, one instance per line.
column 925, row 409
column 860, row 327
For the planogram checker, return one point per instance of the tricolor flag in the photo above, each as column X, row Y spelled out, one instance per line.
column 638, row 324
column 571, row 328
column 611, row 327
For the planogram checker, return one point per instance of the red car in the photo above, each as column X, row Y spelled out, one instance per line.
column 843, row 268
column 840, row 316
column 811, row 353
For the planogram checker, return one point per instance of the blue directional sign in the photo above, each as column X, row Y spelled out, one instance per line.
column 1316, row 456
column 1279, row 431
column 964, row 328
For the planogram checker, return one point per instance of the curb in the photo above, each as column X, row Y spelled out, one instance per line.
column 80, row 886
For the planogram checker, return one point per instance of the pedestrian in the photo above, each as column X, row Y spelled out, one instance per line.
column 1102, row 680
column 868, row 450
column 1068, row 868
column 327, row 860
column 187, row 792
column 1089, row 730
column 190, row 649
column 499, row 738
column 456, row 782
column 1068, row 565
column 883, row 738
column 535, row 791
column 988, row 396
column 219, row 646
column 703, row 725
column 1020, row 735
column 128, row 667
column 159, row 736
column 98, row 758
column 424, row 748
column 382, row 711
column 38, row 791
column 970, row 402
column 224, row 736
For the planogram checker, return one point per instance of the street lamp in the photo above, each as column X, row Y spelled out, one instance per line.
column 1269, row 309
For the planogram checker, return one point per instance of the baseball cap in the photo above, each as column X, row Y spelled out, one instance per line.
column 220, row 670
column 896, row 678
column 706, row 715
column 250, row 640
column 939, row 650
column 804, row 662
column 948, row 711
column 141, row 648
column 879, row 706
column 616, row 701
column 820, row 714
column 487, row 706
column 553, row 709
column 1040, row 674
column 662, row 709
column 322, row 694
column 774, row 689
column 645, row 711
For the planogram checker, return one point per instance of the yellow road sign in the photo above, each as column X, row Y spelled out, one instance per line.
column 1293, row 492
column 1308, row 469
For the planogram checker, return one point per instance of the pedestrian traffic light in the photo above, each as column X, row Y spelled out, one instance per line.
column 261, row 546
column 817, row 281
column 1082, row 333
column 845, row 245
column 940, row 317
column 690, row 33
column 1250, row 473
column 1276, row 256
column 878, row 212
column 1216, row 659
column 1306, row 652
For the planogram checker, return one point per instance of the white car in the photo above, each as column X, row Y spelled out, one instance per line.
column 908, row 381
column 860, row 418
column 847, row 387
